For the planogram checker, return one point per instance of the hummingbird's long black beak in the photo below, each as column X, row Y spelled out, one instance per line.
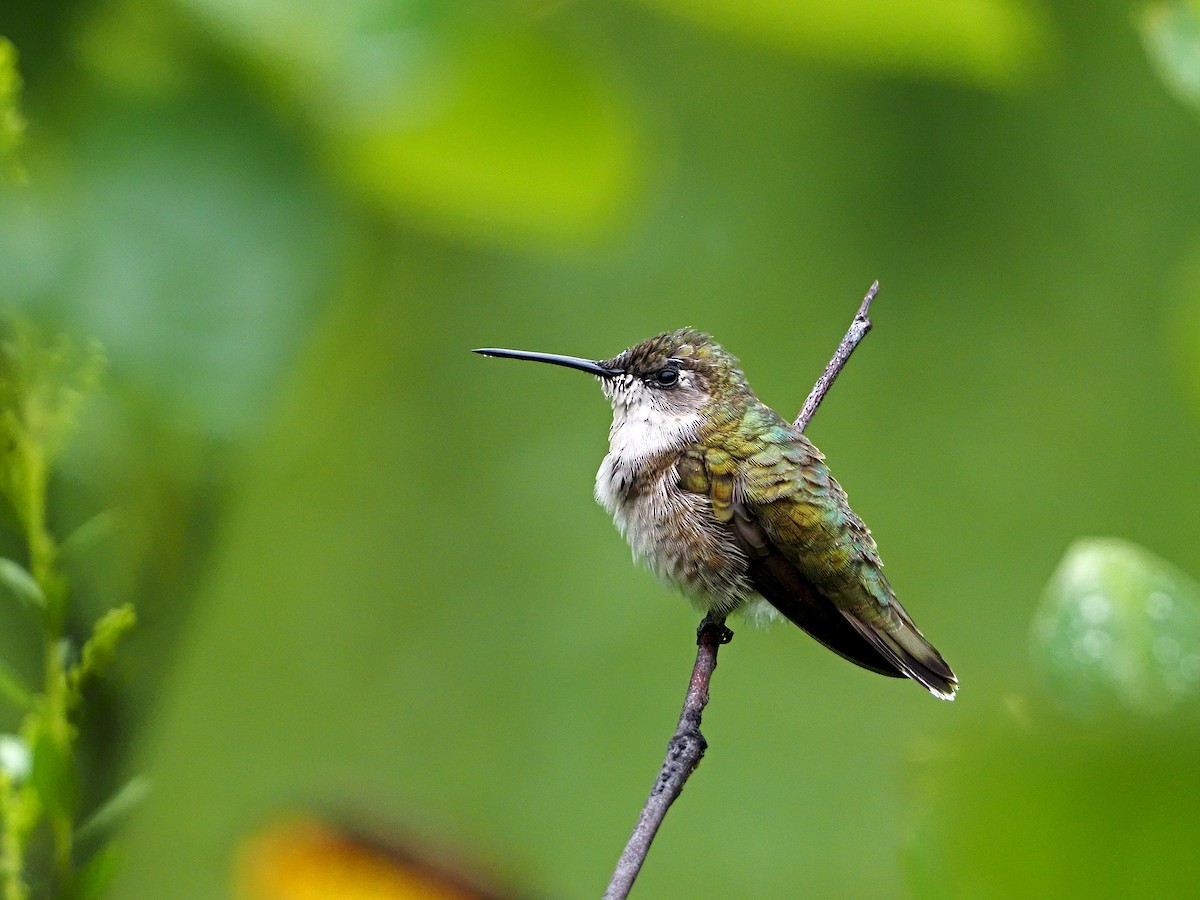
column 571, row 362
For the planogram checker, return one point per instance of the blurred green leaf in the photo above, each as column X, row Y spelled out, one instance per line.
column 1009, row 812
column 191, row 247
column 137, row 46
column 1118, row 630
column 12, row 124
column 90, row 537
column 992, row 43
column 113, row 812
column 13, row 688
column 518, row 141
column 466, row 116
column 1171, row 34
column 18, row 583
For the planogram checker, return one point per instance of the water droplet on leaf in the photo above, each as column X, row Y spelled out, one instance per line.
column 1118, row 630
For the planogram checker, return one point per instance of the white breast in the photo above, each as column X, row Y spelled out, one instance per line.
column 666, row 527
column 669, row 529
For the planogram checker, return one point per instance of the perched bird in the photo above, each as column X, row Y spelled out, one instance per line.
column 727, row 501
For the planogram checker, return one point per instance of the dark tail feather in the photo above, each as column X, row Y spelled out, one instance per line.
column 904, row 646
column 789, row 592
column 892, row 647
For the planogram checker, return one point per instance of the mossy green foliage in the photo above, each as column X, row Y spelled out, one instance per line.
column 42, row 385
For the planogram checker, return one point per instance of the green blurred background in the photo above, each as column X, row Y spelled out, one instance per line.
column 371, row 578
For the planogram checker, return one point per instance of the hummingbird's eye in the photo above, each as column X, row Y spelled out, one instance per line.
column 668, row 376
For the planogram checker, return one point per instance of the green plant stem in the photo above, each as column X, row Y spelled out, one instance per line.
column 57, row 726
column 55, row 707
column 63, row 828
column 12, row 844
column 40, row 391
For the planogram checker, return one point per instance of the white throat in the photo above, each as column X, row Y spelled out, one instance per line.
column 641, row 433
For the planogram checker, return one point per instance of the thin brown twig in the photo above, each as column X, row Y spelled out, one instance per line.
column 684, row 752
column 686, row 747
column 858, row 330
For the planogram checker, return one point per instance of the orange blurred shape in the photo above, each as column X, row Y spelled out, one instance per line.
column 306, row 859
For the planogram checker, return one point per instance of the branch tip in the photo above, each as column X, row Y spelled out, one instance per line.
column 857, row 331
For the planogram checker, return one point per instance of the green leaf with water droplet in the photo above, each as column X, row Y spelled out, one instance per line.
column 1118, row 631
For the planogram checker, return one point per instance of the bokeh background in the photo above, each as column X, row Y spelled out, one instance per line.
column 372, row 581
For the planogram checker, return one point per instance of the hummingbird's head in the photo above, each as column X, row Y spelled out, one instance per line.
column 680, row 373
column 683, row 375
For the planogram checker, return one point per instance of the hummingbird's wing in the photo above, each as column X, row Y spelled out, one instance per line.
column 813, row 559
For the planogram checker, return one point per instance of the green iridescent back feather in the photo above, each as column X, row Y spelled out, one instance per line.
column 762, row 462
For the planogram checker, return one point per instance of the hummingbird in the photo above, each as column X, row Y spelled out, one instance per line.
column 725, row 500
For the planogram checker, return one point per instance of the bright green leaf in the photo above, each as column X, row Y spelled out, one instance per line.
column 993, row 43
column 1171, row 34
column 1118, row 630
column 477, row 124
column 521, row 138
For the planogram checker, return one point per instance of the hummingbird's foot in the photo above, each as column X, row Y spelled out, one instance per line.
column 715, row 626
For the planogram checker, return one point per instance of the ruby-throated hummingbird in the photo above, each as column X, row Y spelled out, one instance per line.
column 725, row 500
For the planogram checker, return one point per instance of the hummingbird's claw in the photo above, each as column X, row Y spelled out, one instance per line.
column 715, row 625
